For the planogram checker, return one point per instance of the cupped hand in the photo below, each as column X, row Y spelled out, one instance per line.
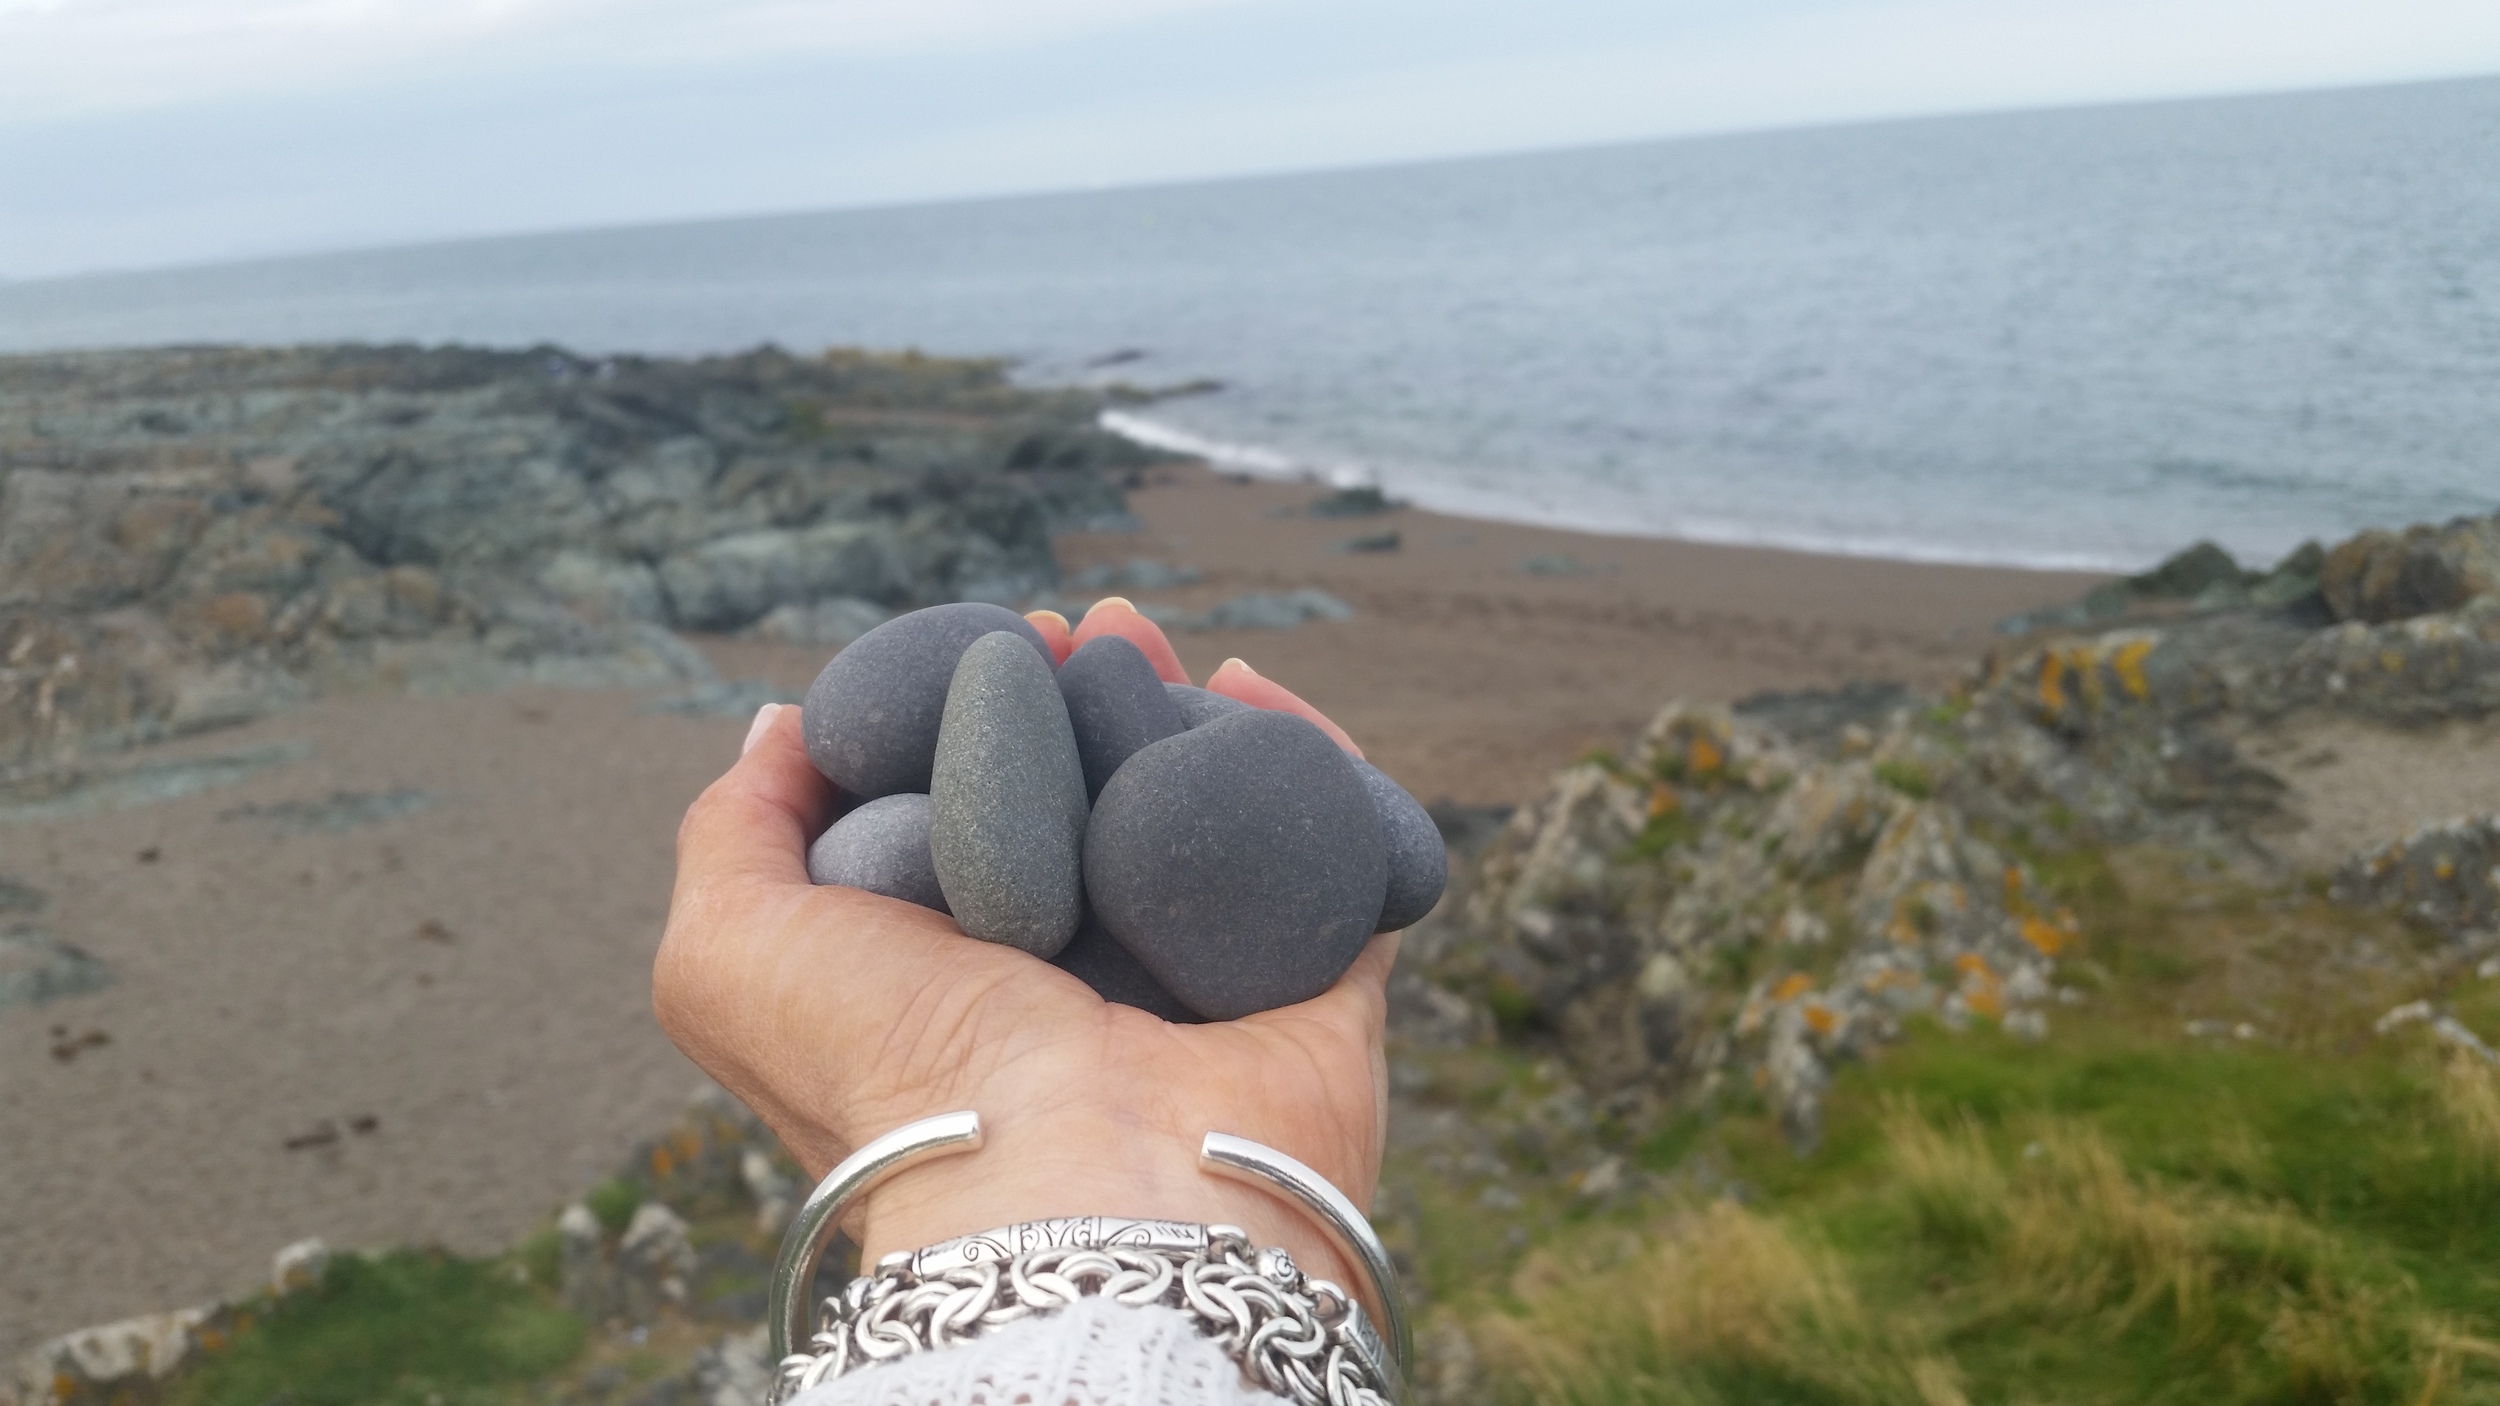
column 839, row 1015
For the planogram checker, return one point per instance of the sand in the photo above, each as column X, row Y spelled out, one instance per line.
column 472, row 976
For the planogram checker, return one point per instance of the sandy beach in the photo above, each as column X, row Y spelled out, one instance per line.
column 430, row 1022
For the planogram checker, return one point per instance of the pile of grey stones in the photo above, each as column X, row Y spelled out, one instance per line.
column 1179, row 851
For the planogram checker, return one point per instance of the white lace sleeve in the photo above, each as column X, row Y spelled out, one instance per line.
column 1095, row 1352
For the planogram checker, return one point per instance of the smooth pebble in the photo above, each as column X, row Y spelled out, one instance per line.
column 1241, row 862
column 1419, row 860
column 1116, row 704
column 871, row 718
column 883, row 847
column 1200, row 707
column 1096, row 958
column 1007, row 800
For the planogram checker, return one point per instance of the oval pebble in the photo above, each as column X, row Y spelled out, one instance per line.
column 1007, row 800
column 883, row 847
column 1419, row 860
column 871, row 718
column 1096, row 958
column 1200, row 707
column 1116, row 704
column 1241, row 862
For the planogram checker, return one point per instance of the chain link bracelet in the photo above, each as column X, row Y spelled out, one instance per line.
column 1304, row 1339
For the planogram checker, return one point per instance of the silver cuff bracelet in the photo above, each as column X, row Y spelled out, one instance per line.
column 1305, row 1339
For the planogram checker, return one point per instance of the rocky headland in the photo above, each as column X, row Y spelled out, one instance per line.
column 192, row 537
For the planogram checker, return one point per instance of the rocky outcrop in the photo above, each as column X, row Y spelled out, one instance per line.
column 1749, row 896
column 191, row 537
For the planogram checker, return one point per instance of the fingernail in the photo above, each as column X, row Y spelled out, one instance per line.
column 1053, row 614
column 755, row 731
column 1120, row 601
column 1236, row 664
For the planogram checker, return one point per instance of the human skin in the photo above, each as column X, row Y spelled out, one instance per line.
column 838, row 1016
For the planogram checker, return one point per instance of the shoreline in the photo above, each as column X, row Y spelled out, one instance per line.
column 1273, row 465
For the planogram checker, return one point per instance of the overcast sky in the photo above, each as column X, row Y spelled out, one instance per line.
column 147, row 132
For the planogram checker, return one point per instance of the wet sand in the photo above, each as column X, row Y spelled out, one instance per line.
column 472, row 976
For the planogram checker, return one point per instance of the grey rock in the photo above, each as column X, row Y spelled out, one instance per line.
column 1096, row 958
column 1200, row 707
column 1116, row 704
column 871, row 718
column 37, row 968
column 1263, row 610
column 1419, row 860
column 1007, row 800
column 882, row 847
column 1141, row 574
column 835, row 621
column 1241, row 862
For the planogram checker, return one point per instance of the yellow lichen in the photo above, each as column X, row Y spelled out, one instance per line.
column 1820, row 1019
column 2047, row 937
column 2128, row 665
column 1662, row 800
column 1794, row 985
column 2052, row 683
column 1703, row 757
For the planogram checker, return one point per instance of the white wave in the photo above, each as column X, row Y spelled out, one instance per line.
column 1225, row 454
column 1486, row 505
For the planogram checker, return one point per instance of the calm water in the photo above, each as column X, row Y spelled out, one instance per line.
column 2058, row 338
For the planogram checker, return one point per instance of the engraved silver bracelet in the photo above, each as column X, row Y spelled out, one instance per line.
column 1304, row 1339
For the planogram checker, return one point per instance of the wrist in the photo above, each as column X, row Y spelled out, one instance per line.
column 1036, row 1172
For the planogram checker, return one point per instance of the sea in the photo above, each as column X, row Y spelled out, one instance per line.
column 2071, row 338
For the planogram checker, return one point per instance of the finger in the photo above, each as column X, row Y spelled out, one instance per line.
column 1054, row 628
column 1113, row 615
column 752, row 826
column 1240, row 682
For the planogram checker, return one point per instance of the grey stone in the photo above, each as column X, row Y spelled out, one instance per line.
column 1116, row 704
column 1200, row 707
column 882, row 847
column 835, row 621
column 1419, row 860
column 1007, row 800
column 1241, row 862
column 1096, row 958
column 871, row 718
column 1263, row 610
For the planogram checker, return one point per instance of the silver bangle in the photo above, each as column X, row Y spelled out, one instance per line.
column 1305, row 1339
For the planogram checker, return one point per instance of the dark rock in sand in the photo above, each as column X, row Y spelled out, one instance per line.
column 871, row 718
column 1096, row 958
column 1419, row 862
column 1199, row 707
column 1007, row 800
column 1116, row 704
column 882, row 847
column 1241, row 862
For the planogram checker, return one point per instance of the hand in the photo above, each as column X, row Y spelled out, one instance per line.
column 838, row 1016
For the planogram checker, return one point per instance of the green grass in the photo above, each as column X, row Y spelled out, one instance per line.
column 408, row 1328
column 2122, row 1214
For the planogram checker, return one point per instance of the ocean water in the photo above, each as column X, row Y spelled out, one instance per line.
column 2066, row 338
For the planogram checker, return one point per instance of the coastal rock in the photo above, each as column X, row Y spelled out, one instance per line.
column 1007, row 798
column 190, row 537
column 835, row 621
column 1419, row 860
column 1200, row 707
column 1241, row 862
column 1116, row 704
column 2380, row 576
column 871, row 718
column 1096, row 958
column 882, row 847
